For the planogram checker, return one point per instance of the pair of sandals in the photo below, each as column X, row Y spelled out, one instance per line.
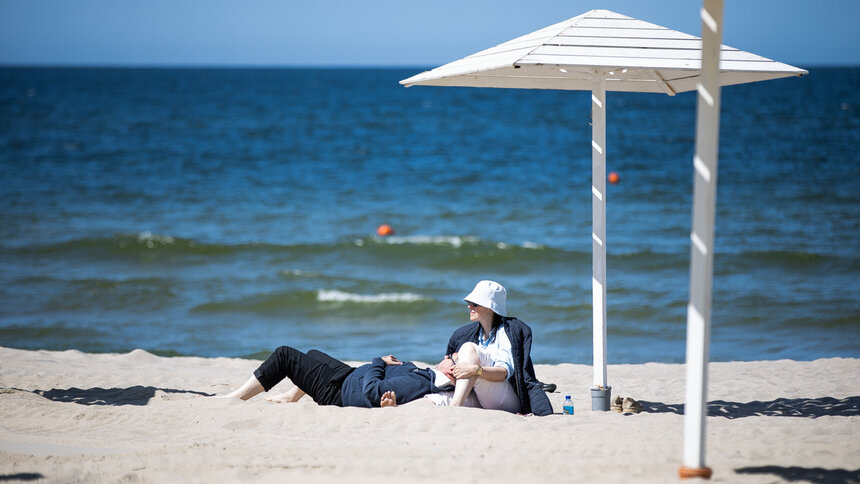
column 619, row 404
column 625, row 405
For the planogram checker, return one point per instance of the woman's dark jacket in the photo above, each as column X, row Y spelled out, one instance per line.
column 532, row 398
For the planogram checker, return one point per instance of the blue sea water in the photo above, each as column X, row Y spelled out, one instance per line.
column 223, row 212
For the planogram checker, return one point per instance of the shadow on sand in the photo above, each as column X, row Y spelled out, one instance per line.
column 21, row 476
column 136, row 395
column 815, row 475
column 781, row 407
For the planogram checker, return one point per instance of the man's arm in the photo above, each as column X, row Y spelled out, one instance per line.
column 407, row 387
column 446, row 366
column 373, row 379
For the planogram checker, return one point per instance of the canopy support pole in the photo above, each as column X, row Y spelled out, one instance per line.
column 702, row 246
column 600, row 389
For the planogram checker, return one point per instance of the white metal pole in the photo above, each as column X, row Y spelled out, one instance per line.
column 702, row 243
column 598, row 224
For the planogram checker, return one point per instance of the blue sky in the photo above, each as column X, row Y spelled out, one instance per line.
column 380, row 32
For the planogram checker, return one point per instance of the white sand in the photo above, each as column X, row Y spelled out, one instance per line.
column 75, row 417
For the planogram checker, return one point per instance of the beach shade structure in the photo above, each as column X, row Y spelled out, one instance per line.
column 601, row 51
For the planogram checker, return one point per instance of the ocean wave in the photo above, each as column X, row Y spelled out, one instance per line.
column 730, row 263
column 453, row 241
column 297, row 273
column 149, row 240
column 443, row 252
column 54, row 294
column 784, row 255
column 440, row 240
column 388, row 297
column 306, row 301
column 306, row 260
column 125, row 243
column 784, row 259
column 263, row 304
column 648, row 260
column 146, row 240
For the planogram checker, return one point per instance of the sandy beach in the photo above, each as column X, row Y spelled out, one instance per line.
column 136, row 417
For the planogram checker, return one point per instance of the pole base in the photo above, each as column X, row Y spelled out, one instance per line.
column 694, row 472
column 600, row 398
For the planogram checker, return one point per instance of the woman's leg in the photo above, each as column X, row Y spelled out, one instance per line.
column 490, row 395
column 468, row 354
column 446, row 399
column 497, row 395
column 389, row 399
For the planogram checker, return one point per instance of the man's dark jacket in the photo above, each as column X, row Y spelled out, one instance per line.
column 532, row 398
column 365, row 386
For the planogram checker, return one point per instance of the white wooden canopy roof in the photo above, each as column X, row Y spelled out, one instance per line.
column 633, row 55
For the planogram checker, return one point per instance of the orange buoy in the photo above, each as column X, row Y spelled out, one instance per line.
column 613, row 178
column 384, row 230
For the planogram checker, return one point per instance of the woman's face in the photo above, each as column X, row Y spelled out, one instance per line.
column 478, row 313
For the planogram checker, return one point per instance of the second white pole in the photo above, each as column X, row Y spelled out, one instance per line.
column 598, row 231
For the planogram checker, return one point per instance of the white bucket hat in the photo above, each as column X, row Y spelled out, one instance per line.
column 489, row 294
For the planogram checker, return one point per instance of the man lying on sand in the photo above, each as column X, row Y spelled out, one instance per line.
column 382, row 383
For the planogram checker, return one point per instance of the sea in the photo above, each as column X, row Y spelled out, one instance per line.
column 224, row 212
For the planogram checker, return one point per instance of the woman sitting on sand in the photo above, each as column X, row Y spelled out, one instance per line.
column 492, row 356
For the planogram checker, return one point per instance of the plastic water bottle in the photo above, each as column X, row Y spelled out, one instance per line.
column 568, row 405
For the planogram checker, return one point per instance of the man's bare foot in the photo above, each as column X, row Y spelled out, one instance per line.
column 389, row 399
column 291, row 396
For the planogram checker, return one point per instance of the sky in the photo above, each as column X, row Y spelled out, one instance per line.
column 381, row 32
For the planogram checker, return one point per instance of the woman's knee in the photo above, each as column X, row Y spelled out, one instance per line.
column 468, row 352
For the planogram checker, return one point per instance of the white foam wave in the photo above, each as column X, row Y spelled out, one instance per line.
column 148, row 239
column 388, row 297
column 156, row 238
column 454, row 241
column 444, row 240
column 533, row 245
column 298, row 273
